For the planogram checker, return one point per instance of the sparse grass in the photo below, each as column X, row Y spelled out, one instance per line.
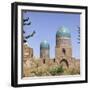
column 72, row 71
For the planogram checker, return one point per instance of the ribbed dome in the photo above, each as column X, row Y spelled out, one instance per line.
column 44, row 44
column 63, row 32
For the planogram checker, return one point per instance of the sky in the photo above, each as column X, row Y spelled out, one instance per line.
column 46, row 25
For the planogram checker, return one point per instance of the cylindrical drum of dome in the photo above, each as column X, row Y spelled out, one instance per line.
column 44, row 50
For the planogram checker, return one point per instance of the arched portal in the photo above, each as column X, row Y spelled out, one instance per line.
column 64, row 63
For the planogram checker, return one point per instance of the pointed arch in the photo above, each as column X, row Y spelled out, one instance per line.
column 65, row 62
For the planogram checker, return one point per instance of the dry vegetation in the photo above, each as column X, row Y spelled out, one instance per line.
column 49, row 70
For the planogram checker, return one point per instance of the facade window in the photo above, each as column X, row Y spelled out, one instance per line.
column 32, row 55
column 64, row 51
column 54, row 59
column 43, row 61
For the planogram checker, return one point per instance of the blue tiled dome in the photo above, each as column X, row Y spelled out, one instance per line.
column 44, row 44
column 63, row 32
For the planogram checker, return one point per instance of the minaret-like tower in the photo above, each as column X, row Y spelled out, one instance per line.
column 63, row 43
column 44, row 50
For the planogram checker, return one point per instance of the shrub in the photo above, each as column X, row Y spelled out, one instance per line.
column 56, row 70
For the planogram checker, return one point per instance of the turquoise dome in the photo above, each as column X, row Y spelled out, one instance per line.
column 44, row 45
column 63, row 32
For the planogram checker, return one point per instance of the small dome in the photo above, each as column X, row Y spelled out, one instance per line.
column 63, row 32
column 44, row 44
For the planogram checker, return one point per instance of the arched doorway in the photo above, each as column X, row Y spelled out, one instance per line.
column 64, row 63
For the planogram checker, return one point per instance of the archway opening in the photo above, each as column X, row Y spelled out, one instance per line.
column 64, row 63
